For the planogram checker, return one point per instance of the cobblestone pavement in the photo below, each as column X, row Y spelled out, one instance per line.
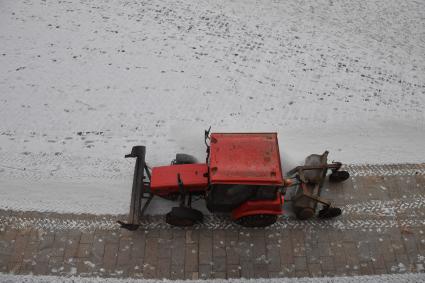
column 381, row 231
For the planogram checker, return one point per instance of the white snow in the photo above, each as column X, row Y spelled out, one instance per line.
column 81, row 82
column 390, row 278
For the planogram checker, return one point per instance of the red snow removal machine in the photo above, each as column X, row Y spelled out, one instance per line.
column 242, row 176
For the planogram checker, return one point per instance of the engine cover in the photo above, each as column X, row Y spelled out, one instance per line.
column 164, row 178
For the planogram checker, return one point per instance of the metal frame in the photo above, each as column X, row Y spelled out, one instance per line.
column 140, row 189
column 315, row 192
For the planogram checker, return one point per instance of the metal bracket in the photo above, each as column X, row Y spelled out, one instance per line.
column 139, row 189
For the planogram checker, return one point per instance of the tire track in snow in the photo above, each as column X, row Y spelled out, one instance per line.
column 68, row 222
column 389, row 208
column 386, row 169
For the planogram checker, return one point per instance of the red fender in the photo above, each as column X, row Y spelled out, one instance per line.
column 254, row 207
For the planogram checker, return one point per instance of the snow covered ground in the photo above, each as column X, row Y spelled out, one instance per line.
column 81, row 82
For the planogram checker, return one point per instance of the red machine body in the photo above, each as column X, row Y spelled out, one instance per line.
column 250, row 159
column 256, row 207
column 242, row 176
column 245, row 158
column 164, row 178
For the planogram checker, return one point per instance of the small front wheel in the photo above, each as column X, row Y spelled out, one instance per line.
column 339, row 176
column 182, row 158
column 183, row 216
column 329, row 212
column 258, row 220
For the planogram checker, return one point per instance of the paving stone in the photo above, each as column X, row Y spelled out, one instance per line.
column 410, row 245
column 70, row 267
column 205, row 271
column 205, row 247
column 87, row 238
column 179, row 234
column 327, row 263
column 26, row 267
column 55, row 265
column 300, row 263
column 14, row 267
column 126, row 234
column 232, row 253
column 40, row 268
column 164, row 268
column 124, row 252
column 178, row 252
column 315, row 269
column 30, row 251
column 288, row 270
column 219, row 275
column 4, row 261
column 245, row 245
column 261, row 270
column 98, row 249
column 301, row 273
column 324, row 249
column 338, row 252
column 84, row 250
column 219, row 264
column 72, row 245
column 378, row 262
column 138, row 245
column 233, row 271
column 232, row 249
column 219, row 243
column 273, row 257
column 177, row 272
column 351, row 250
column 19, row 248
column 135, row 267
column 259, row 246
column 247, row 269
column 165, row 234
column 366, row 268
column 151, row 257
column 152, row 234
column 191, row 275
column 192, row 236
column 191, row 257
column 58, row 249
column 286, row 249
column 8, row 235
column 298, row 245
column 110, row 256
column 85, row 267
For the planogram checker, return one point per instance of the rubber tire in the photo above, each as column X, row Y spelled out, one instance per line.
column 329, row 212
column 183, row 216
column 339, row 176
column 183, row 158
column 258, row 220
column 304, row 213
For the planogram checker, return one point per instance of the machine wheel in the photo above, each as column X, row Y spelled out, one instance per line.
column 329, row 212
column 258, row 220
column 182, row 158
column 183, row 216
column 304, row 213
column 339, row 176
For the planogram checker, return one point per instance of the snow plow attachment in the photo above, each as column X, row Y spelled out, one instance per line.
column 140, row 189
column 311, row 178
